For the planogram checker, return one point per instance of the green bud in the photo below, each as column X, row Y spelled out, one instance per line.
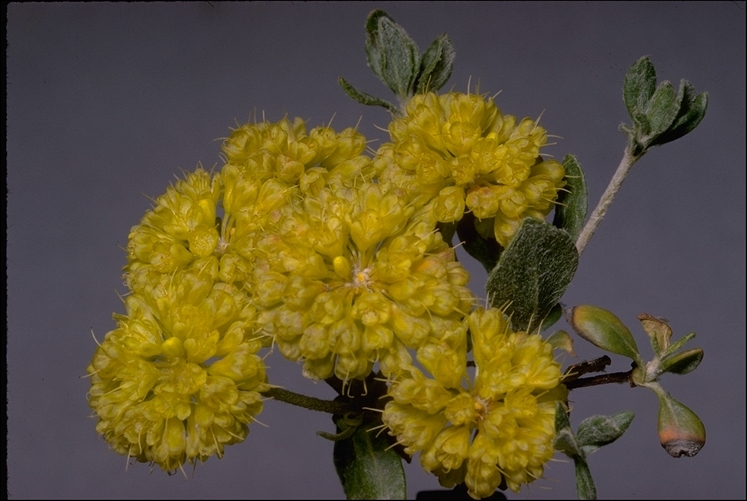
column 681, row 431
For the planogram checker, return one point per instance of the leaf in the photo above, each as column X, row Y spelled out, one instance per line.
column 555, row 313
column 368, row 467
column 639, row 86
column 368, row 99
column 374, row 54
column 565, row 440
column 598, row 431
column 692, row 110
column 436, row 65
column 604, row 330
column 561, row 340
column 662, row 109
column 658, row 330
column 585, row 488
column 392, row 54
column 485, row 250
column 532, row 273
column 678, row 344
column 683, row 362
column 570, row 213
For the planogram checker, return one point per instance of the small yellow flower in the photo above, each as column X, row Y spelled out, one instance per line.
column 499, row 427
column 351, row 276
column 180, row 377
column 462, row 153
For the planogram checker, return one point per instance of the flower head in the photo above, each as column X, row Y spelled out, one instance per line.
column 462, row 153
column 499, row 427
column 351, row 275
column 179, row 378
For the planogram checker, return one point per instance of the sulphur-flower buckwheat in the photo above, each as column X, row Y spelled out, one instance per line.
column 498, row 426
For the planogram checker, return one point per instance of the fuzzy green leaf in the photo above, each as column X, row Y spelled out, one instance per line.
column 662, row 109
column 565, row 440
column 436, row 65
column 532, row 273
column 598, row 431
column 604, row 330
column 692, row 110
column 639, row 86
column 368, row 467
column 585, row 488
column 392, row 54
column 367, row 99
column 374, row 54
column 570, row 213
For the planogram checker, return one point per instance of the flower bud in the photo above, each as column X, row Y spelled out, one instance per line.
column 681, row 431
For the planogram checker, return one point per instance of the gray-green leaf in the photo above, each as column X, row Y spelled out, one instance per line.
column 368, row 467
column 691, row 112
column 639, row 86
column 368, row 99
column 392, row 54
column 597, row 431
column 662, row 109
column 570, row 213
column 436, row 65
column 585, row 488
column 532, row 273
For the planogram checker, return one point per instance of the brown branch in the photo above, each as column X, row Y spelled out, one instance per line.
column 572, row 377
column 615, row 377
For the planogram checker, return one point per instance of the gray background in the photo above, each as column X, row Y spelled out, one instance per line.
column 107, row 102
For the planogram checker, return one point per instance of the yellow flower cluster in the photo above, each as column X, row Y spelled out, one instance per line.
column 180, row 377
column 499, row 428
column 461, row 152
column 352, row 276
column 303, row 243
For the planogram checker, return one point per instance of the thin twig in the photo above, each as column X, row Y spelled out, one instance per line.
column 607, row 197
column 311, row 403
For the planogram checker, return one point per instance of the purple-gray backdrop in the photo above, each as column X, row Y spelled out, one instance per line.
column 107, row 102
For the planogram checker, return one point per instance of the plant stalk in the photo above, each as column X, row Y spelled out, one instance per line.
column 606, row 200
